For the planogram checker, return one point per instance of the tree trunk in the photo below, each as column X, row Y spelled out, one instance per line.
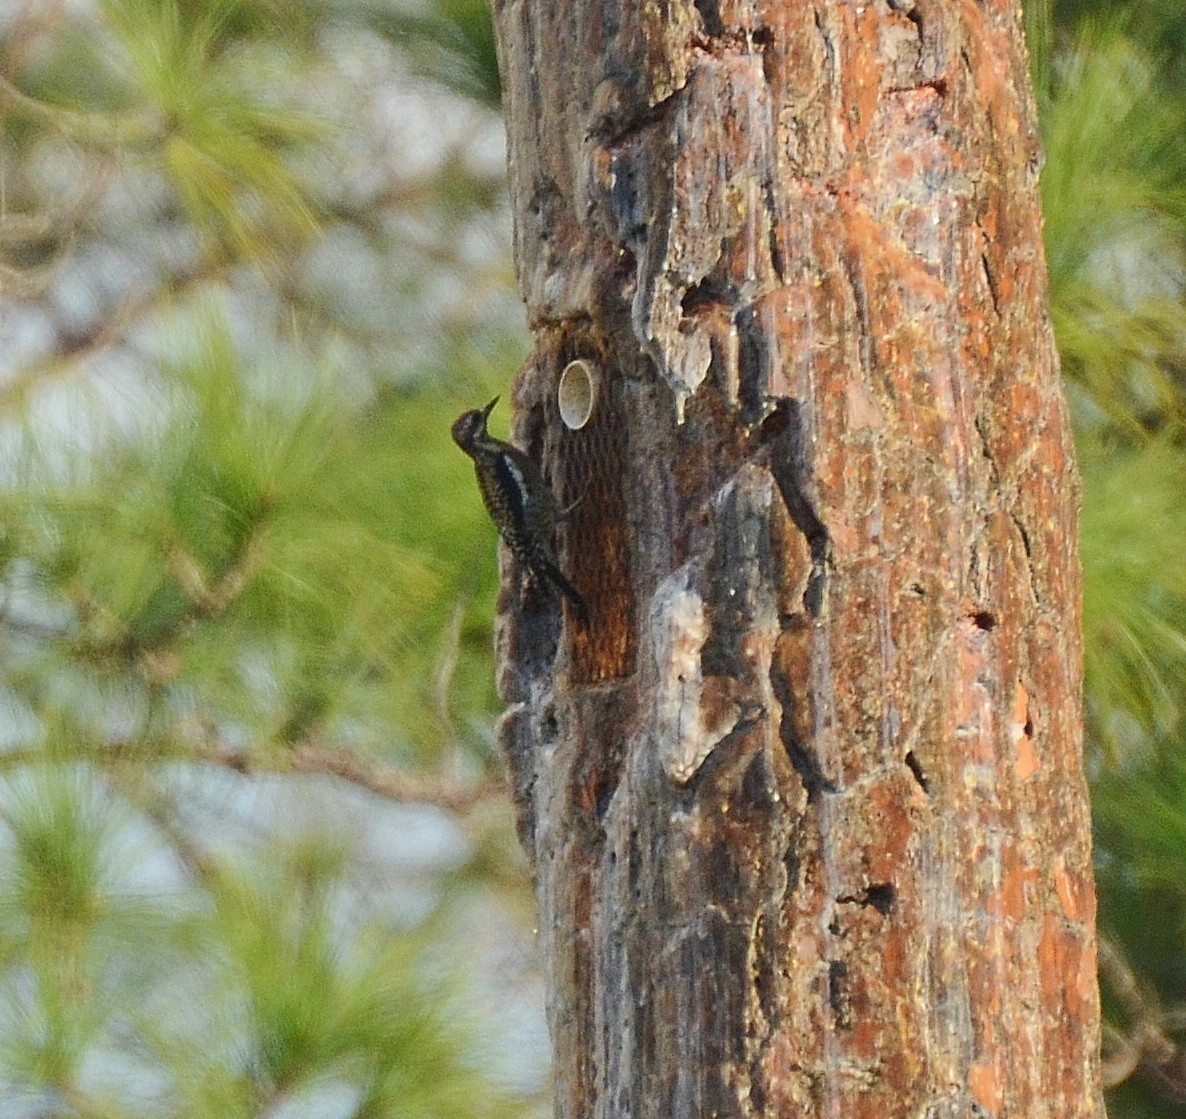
column 805, row 796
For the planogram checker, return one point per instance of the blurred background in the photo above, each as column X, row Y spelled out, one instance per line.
column 255, row 857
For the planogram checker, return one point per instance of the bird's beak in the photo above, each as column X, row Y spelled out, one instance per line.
column 490, row 408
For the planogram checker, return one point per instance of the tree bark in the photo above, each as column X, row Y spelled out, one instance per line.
column 805, row 797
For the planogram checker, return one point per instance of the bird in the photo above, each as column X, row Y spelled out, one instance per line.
column 519, row 501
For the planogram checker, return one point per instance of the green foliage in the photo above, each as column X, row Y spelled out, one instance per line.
column 236, row 535
column 1115, row 210
column 286, row 998
column 258, row 562
column 1161, row 23
column 1140, row 829
column 1133, row 525
column 1113, row 115
column 216, row 115
column 323, row 1006
column 1115, row 204
column 450, row 43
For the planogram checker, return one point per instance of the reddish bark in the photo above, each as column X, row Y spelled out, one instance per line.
column 806, row 798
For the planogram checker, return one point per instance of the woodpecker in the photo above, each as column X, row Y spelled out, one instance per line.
column 517, row 499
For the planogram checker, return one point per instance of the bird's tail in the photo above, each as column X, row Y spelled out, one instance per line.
column 557, row 578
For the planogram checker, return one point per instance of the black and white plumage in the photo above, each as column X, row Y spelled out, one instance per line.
column 517, row 499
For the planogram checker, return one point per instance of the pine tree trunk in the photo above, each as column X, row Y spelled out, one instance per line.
column 805, row 796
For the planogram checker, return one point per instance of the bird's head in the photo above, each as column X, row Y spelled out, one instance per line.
column 469, row 427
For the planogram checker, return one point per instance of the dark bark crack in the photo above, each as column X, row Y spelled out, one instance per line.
column 991, row 280
column 803, row 760
column 980, row 423
column 878, row 895
column 704, row 296
column 937, row 85
column 753, row 360
column 917, row 771
column 777, row 262
column 851, row 266
column 710, row 17
column 829, row 45
column 838, row 994
column 1027, row 546
column 788, row 466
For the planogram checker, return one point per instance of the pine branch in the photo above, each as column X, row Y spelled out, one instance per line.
column 1145, row 1050
column 394, row 784
column 308, row 758
column 75, row 350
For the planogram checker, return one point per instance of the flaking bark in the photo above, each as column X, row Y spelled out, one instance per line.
column 805, row 798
